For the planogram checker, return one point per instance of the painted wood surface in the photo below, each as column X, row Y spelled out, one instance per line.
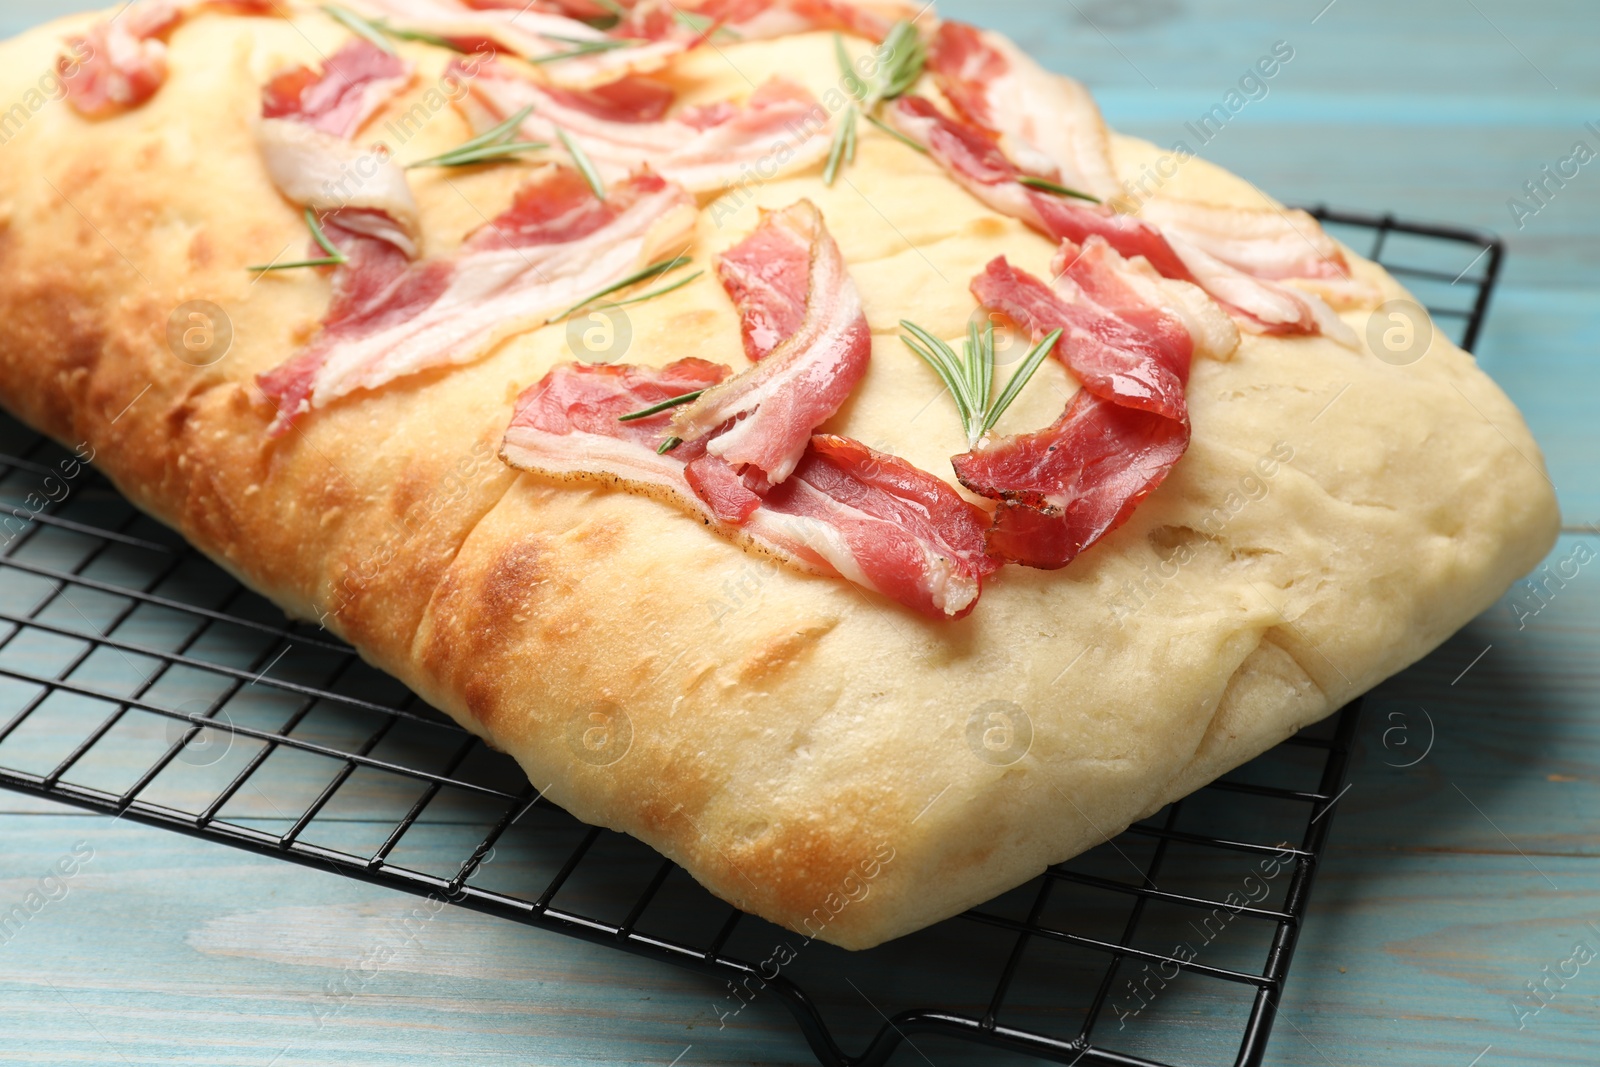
column 1452, row 883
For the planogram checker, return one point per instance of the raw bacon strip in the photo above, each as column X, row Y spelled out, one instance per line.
column 796, row 296
column 533, row 31
column 1066, row 487
column 555, row 245
column 122, row 61
column 882, row 524
column 308, row 120
column 973, row 156
column 1263, row 243
column 780, row 128
column 846, row 512
column 1130, row 338
column 1052, row 127
column 753, row 20
column 1047, row 122
column 355, row 82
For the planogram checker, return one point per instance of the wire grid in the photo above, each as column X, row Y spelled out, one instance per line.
column 196, row 707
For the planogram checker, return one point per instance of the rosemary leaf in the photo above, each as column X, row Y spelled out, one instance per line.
column 297, row 264
column 654, row 270
column 663, row 291
column 971, row 379
column 665, row 405
column 844, row 137
column 335, row 258
column 358, row 26
column 852, row 81
column 424, row 36
column 1047, row 186
column 321, row 238
column 668, row 445
column 896, row 134
column 906, row 55
column 946, row 364
column 585, row 164
column 902, row 57
column 1030, row 365
column 498, row 138
column 467, row 157
column 581, row 47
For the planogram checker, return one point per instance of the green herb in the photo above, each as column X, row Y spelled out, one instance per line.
column 417, row 35
column 668, row 445
column 654, row 270
column 359, row 26
column 971, row 379
column 901, row 59
column 585, row 164
column 663, row 291
column 582, row 47
column 896, row 134
column 843, row 149
column 665, row 405
column 496, row 144
column 1053, row 187
column 335, row 257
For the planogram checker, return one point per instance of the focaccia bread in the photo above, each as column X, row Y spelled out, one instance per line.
column 811, row 751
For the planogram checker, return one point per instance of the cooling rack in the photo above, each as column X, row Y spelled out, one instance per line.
column 138, row 679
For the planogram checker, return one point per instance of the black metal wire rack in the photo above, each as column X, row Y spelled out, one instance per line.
column 196, row 707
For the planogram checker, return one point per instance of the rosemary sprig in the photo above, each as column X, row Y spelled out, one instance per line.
column 668, row 445
column 665, row 405
column 1047, row 186
column 335, row 258
column 359, row 26
column 585, row 164
column 582, row 47
column 843, row 149
column 663, row 291
column 654, row 270
column 492, row 145
column 970, row 378
column 896, row 134
column 903, row 55
column 403, row 34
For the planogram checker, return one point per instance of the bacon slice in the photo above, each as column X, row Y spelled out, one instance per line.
column 534, row 31
column 1052, row 127
column 781, row 128
column 1129, row 338
column 796, row 296
column 308, row 120
column 1048, row 123
column 121, row 62
column 555, row 245
column 847, row 511
column 751, row 20
column 974, row 157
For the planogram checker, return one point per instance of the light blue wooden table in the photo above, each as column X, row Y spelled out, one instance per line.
column 1451, row 885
